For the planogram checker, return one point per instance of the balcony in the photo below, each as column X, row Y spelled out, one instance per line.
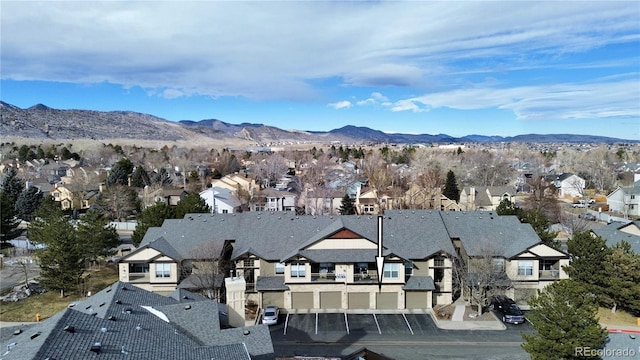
column 323, row 277
column 370, row 276
column 551, row 274
column 139, row 277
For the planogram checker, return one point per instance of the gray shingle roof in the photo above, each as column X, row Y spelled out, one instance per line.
column 613, row 235
column 143, row 334
column 409, row 234
column 271, row 283
column 420, row 283
column 485, row 231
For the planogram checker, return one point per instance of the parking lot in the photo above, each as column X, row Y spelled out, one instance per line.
column 345, row 323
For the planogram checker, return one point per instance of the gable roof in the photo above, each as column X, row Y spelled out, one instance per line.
column 481, row 231
column 142, row 324
column 613, row 234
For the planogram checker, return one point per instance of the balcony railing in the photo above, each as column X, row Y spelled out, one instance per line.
column 369, row 277
column 323, row 277
column 138, row 277
column 549, row 274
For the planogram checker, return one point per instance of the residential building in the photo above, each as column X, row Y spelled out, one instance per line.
column 221, row 200
column 569, row 185
column 625, row 200
column 124, row 321
column 328, row 262
column 74, row 196
column 236, row 183
column 485, row 197
column 270, row 199
column 616, row 232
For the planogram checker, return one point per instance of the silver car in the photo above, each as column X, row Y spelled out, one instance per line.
column 270, row 315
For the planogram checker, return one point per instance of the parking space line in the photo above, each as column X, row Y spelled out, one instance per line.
column 407, row 321
column 346, row 322
column 378, row 325
column 316, row 323
column 286, row 323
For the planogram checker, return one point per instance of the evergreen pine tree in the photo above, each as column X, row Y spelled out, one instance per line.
column 451, row 190
column 152, row 216
column 12, row 185
column 96, row 236
column 192, row 203
column 8, row 221
column 589, row 257
column 61, row 260
column 347, row 206
column 564, row 317
column 27, row 203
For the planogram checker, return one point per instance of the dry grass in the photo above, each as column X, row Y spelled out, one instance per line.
column 50, row 303
column 620, row 318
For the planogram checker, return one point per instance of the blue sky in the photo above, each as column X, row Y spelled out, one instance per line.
column 457, row 68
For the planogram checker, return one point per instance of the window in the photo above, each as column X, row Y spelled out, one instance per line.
column 279, row 268
column 438, row 262
column 298, row 270
column 327, row 268
column 391, row 271
column 408, row 268
column 368, row 209
column 525, row 268
column 259, row 207
column 498, row 264
column 247, row 263
column 163, row 270
column 138, row 268
column 225, row 211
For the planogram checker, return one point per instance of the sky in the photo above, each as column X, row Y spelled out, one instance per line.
column 417, row 67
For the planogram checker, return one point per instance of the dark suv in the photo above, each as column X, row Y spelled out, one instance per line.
column 507, row 309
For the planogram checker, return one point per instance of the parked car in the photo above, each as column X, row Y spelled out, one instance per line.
column 579, row 204
column 507, row 310
column 587, row 216
column 270, row 315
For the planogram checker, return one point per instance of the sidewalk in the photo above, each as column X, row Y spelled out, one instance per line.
column 622, row 329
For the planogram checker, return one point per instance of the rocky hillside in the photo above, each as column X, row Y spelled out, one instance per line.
column 40, row 122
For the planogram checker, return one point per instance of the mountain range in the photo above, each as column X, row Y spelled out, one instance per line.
column 41, row 122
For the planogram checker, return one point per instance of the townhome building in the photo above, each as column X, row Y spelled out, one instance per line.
column 329, row 262
column 485, row 197
column 123, row 321
column 625, row 200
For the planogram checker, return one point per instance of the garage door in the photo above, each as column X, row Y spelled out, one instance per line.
column 302, row 300
column 418, row 300
column 331, row 300
column 386, row 300
column 273, row 298
column 358, row 300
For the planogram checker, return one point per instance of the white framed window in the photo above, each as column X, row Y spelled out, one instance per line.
column 298, row 270
column 391, row 271
column 368, row 209
column 525, row 268
column 498, row 264
column 279, row 268
column 163, row 270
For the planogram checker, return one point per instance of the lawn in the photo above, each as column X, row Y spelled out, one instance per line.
column 620, row 318
column 50, row 303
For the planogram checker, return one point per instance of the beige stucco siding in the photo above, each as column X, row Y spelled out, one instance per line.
column 546, row 251
column 143, row 255
column 334, row 244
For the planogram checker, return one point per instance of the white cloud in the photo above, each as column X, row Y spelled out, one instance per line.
column 172, row 93
column 284, row 50
column 560, row 101
column 345, row 104
column 375, row 99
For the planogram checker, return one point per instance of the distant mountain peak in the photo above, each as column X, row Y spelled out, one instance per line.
column 40, row 107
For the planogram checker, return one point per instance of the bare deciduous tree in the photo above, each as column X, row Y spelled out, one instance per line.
column 206, row 268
